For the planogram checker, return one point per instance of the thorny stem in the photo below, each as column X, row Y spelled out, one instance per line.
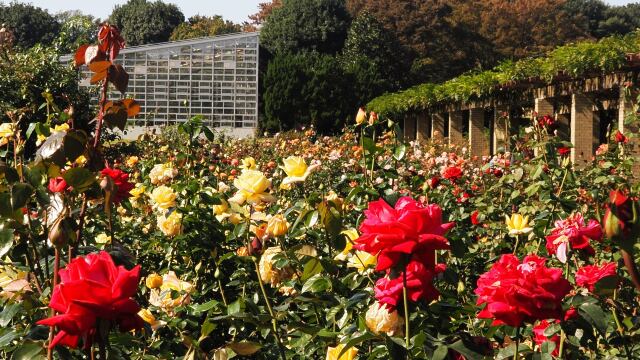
column 563, row 336
column 515, row 353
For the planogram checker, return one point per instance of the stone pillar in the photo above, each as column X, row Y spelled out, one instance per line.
column 423, row 126
column 564, row 126
column 455, row 128
column 581, row 128
column 478, row 142
column 409, row 128
column 501, row 126
column 543, row 106
column 437, row 126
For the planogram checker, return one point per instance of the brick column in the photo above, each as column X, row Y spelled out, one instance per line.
column 501, row 125
column 478, row 142
column 581, row 128
column 423, row 126
column 455, row 128
column 543, row 107
column 564, row 126
column 409, row 128
column 437, row 125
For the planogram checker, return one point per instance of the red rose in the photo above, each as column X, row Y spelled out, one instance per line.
column 588, row 276
column 93, row 288
column 564, row 151
column 419, row 286
column 620, row 138
column 540, row 338
column 452, row 173
column 57, row 185
column 409, row 228
column 622, row 217
column 434, row 182
column 474, row 218
column 517, row 292
column 571, row 313
column 573, row 232
column 121, row 181
column 546, row 121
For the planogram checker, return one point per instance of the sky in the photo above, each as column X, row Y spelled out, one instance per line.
column 235, row 10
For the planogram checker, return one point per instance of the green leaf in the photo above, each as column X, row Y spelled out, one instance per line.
column 20, row 194
column 204, row 307
column 6, row 241
column 74, row 144
column 7, row 338
column 606, row 285
column 80, row 178
column 400, row 152
column 311, row 268
column 355, row 341
column 440, row 353
column 468, row 353
column 30, row 351
column 595, row 316
column 8, row 313
column 316, row 283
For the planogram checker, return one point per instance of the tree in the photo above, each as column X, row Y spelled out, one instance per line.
column 440, row 47
column 30, row 25
column 306, row 88
column 142, row 22
column 520, row 28
column 592, row 13
column 264, row 10
column 76, row 29
column 314, row 25
column 620, row 20
column 201, row 26
column 374, row 58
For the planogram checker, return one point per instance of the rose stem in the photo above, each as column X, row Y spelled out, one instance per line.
column 407, row 336
column 274, row 322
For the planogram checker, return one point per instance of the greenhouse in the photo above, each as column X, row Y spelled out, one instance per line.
column 216, row 77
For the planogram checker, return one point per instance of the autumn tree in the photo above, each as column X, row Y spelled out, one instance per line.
column 143, row 22
column 201, row 26
column 264, row 10
column 439, row 46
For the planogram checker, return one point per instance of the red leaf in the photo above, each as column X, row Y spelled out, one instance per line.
column 80, row 55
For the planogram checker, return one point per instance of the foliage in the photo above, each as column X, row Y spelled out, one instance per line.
column 201, row 26
column 306, row 88
column 35, row 82
column 373, row 57
column 301, row 25
column 574, row 60
column 31, row 25
column 264, row 10
column 75, row 29
column 144, row 22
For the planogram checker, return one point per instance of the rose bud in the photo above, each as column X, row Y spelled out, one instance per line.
column 256, row 247
column 621, row 218
column 57, row 185
column 620, row 138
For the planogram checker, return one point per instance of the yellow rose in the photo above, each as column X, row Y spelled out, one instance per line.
column 153, row 281
column 379, row 319
column 221, row 208
column 270, row 274
column 361, row 116
column 517, row 224
column 132, row 161
column 161, row 173
column 171, row 282
column 148, row 317
column 252, row 186
column 61, row 128
column 163, row 198
column 248, row 163
column 296, row 169
column 81, row 160
column 235, row 218
column 7, row 130
column 277, row 226
column 351, row 235
column 137, row 191
column 170, row 225
column 41, row 138
column 334, row 352
column 103, row 239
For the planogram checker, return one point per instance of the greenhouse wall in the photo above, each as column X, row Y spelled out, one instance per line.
column 215, row 77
